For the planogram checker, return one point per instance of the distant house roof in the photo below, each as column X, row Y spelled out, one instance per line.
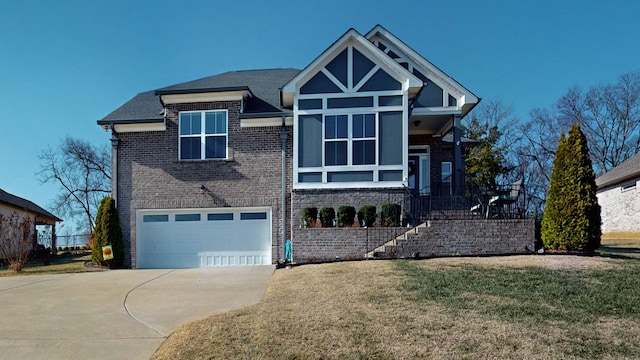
column 264, row 85
column 20, row 203
column 628, row 170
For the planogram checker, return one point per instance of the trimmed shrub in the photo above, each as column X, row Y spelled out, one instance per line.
column 107, row 231
column 327, row 214
column 367, row 214
column 346, row 215
column 310, row 215
column 571, row 219
column 391, row 214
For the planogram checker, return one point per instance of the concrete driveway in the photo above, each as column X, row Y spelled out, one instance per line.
column 120, row 314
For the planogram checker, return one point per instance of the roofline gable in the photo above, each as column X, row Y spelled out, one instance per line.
column 384, row 61
column 469, row 97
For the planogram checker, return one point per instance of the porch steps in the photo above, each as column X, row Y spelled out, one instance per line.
column 383, row 250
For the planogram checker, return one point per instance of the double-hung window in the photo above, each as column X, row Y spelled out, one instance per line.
column 350, row 139
column 336, row 135
column 203, row 135
column 364, row 139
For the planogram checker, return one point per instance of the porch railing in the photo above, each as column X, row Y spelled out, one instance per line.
column 443, row 202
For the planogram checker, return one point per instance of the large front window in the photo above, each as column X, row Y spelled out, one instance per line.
column 350, row 139
column 203, row 135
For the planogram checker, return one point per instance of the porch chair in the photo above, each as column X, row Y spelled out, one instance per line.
column 500, row 205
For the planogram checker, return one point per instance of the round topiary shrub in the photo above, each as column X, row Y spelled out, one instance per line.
column 346, row 215
column 327, row 215
column 391, row 214
column 367, row 215
column 309, row 215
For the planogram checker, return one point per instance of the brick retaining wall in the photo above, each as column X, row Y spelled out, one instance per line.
column 439, row 238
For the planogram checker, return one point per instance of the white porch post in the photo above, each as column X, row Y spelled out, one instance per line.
column 458, row 164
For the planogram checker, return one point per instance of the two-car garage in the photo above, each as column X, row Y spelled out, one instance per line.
column 189, row 238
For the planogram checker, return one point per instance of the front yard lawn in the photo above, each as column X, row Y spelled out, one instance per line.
column 64, row 263
column 534, row 307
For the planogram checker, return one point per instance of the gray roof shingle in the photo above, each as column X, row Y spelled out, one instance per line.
column 264, row 85
column 628, row 170
column 21, row 203
column 144, row 106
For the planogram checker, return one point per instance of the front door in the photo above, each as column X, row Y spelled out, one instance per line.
column 419, row 177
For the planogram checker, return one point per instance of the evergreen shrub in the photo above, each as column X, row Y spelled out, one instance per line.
column 107, row 231
column 571, row 219
column 367, row 215
column 391, row 214
column 327, row 215
column 346, row 215
column 310, row 215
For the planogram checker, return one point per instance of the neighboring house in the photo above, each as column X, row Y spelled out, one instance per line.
column 216, row 171
column 619, row 199
column 11, row 205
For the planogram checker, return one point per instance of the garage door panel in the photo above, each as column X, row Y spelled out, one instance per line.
column 229, row 237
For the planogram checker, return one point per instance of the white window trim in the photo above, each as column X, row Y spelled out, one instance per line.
column 203, row 135
column 350, row 139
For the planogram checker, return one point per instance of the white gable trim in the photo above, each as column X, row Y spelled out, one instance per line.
column 204, row 97
column 410, row 82
column 427, row 68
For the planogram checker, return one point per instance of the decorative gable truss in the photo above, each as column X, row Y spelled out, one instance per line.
column 441, row 93
column 350, row 117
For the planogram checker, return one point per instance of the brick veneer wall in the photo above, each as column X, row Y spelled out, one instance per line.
column 619, row 211
column 441, row 238
column 335, row 198
column 467, row 237
column 150, row 176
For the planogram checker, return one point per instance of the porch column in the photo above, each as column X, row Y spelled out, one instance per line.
column 458, row 163
column 54, row 245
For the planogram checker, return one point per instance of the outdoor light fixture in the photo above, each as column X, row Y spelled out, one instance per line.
column 416, row 123
column 203, row 189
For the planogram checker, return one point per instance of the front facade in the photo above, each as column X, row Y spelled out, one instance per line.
column 619, row 198
column 216, row 171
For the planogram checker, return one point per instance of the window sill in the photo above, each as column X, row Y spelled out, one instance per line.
column 204, row 161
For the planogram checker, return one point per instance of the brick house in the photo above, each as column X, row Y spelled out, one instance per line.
column 216, row 171
column 619, row 199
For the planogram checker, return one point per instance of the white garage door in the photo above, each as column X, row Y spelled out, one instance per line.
column 203, row 237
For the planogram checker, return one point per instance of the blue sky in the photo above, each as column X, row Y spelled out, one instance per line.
column 65, row 64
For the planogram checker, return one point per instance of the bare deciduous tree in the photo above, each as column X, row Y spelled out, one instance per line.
column 609, row 116
column 83, row 172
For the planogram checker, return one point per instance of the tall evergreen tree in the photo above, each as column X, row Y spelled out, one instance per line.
column 108, row 232
column 571, row 219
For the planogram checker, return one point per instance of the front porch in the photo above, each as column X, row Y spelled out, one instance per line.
column 429, row 223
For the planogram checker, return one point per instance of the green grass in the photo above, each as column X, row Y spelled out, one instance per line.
column 59, row 264
column 527, row 294
column 544, row 300
column 516, row 307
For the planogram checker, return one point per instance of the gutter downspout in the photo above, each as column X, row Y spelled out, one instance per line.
column 283, row 140
column 115, row 140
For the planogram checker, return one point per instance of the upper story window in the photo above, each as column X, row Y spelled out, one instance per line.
column 203, row 135
column 350, row 139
